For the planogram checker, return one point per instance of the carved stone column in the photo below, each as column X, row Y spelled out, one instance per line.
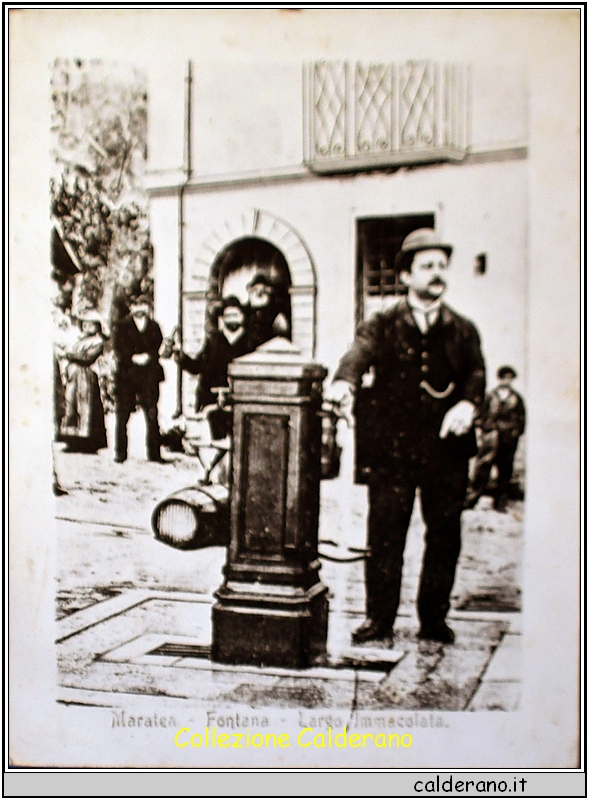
column 272, row 607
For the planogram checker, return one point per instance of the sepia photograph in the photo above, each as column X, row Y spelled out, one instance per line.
column 292, row 494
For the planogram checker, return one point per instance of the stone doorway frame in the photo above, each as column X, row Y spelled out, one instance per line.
column 265, row 225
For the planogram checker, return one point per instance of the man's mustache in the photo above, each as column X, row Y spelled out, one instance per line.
column 437, row 282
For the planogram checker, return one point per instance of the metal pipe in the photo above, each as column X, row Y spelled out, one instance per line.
column 187, row 167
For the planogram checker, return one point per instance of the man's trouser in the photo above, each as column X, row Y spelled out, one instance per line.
column 485, row 458
column 442, row 489
column 504, row 463
column 495, row 450
column 145, row 398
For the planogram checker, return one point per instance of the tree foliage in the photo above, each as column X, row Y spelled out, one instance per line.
column 99, row 127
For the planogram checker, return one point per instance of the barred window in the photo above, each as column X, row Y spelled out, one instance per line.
column 379, row 239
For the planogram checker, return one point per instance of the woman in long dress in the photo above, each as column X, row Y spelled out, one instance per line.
column 82, row 426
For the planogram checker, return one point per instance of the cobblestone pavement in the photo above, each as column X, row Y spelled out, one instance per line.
column 134, row 615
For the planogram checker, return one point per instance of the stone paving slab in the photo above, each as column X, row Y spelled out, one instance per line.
column 108, row 699
column 295, row 692
column 505, row 665
column 115, row 655
column 496, row 696
column 155, row 679
column 433, row 676
column 100, row 612
column 368, row 657
column 217, row 687
column 139, row 650
column 512, row 620
column 154, row 615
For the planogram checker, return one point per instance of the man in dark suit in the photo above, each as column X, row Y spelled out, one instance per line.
column 429, row 380
column 222, row 345
column 136, row 341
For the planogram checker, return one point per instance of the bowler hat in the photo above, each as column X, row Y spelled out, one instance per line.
column 89, row 315
column 231, row 301
column 260, row 278
column 142, row 300
column 506, row 370
column 421, row 239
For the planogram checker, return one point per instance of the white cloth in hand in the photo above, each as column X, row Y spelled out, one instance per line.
column 458, row 419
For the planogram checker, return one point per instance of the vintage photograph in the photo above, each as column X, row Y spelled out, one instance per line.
column 290, row 360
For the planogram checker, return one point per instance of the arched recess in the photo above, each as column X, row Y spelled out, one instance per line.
column 263, row 225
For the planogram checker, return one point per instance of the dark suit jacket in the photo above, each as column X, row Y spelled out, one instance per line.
column 506, row 416
column 417, row 379
column 128, row 341
column 212, row 363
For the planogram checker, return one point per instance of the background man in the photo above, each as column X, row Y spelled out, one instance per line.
column 502, row 422
column 429, row 379
column 265, row 319
column 136, row 342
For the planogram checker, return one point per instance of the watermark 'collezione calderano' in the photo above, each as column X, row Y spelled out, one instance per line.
column 306, row 738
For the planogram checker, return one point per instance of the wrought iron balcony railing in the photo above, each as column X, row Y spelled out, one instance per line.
column 362, row 116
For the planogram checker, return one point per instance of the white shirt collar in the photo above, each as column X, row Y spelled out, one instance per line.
column 424, row 314
column 141, row 323
column 503, row 392
column 231, row 336
column 422, row 305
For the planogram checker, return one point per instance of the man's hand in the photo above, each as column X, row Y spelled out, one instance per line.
column 172, row 345
column 141, row 359
column 167, row 348
column 341, row 394
column 458, row 419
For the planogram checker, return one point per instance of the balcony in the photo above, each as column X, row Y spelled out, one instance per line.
column 384, row 115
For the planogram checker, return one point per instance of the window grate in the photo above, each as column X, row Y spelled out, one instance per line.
column 379, row 239
column 362, row 116
column 182, row 650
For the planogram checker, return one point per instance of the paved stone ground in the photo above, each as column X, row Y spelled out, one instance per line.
column 135, row 614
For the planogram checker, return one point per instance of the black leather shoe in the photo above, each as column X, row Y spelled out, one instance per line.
column 371, row 630
column 437, row 633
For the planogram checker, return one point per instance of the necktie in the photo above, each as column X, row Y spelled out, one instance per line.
column 425, row 319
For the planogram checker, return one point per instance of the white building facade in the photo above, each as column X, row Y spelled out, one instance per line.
column 333, row 163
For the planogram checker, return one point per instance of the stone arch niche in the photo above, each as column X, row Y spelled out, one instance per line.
column 262, row 225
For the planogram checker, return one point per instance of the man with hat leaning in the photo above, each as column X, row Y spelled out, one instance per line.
column 222, row 345
column 429, row 381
